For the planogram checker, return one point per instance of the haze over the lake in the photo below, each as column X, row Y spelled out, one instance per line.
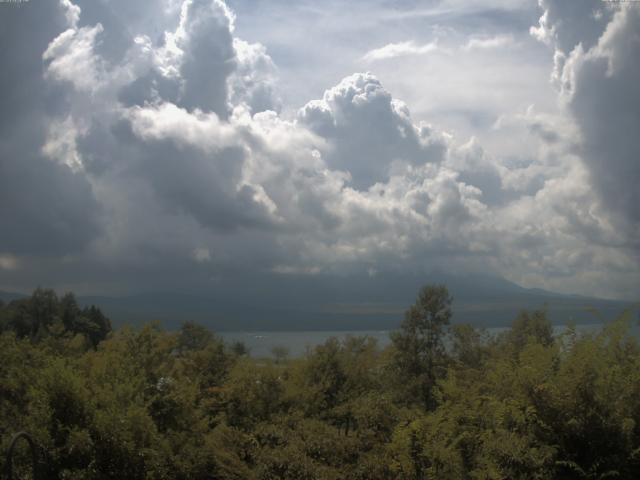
column 169, row 145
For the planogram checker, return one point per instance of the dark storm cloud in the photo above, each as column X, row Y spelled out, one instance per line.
column 46, row 209
column 598, row 73
column 200, row 182
column 44, row 206
column 605, row 102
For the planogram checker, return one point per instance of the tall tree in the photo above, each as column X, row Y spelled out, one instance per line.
column 70, row 312
column 419, row 345
column 98, row 324
column 194, row 337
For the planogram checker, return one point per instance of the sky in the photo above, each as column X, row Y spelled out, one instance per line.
column 176, row 145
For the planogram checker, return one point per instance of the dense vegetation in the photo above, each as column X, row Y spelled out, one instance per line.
column 445, row 402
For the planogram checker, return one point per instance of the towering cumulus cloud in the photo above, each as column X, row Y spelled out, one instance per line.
column 146, row 144
column 369, row 131
column 596, row 48
column 204, row 46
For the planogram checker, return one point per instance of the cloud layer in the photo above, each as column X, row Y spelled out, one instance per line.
column 145, row 145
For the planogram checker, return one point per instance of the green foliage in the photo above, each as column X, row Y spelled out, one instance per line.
column 149, row 404
column 468, row 345
column 530, row 327
column 44, row 316
column 252, row 394
column 194, row 337
column 419, row 346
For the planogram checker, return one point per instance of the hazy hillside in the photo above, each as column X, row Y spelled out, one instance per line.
column 340, row 303
column 344, row 303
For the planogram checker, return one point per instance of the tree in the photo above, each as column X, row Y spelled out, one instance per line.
column 32, row 317
column 3, row 316
column 468, row 345
column 194, row 337
column 280, row 353
column 530, row 327
column 419, row 345
column 239, row 348
column 99, row 326
column 70, row 312
column 44, row 309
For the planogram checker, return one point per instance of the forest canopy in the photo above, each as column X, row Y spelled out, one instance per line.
column 442, row 401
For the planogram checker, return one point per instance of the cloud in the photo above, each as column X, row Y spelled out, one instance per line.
column 597, row 77
column 410, row 48
column 47, row 208
column 566, row 24
column 484, row 43
column 603, row 98
column 253, row 82
column 195, row 165
column 402, row 49
column 368, row 132
column 8, row 262
column 163, row 155
column 206, row 55
column 202, row 255
column 70, row 57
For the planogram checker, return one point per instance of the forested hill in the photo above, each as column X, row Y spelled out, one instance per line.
column 150, row 404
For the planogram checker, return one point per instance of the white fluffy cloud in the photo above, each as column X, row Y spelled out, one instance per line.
column 203, row 43
column 482, row 43
column 369, row 133
column 253, row 82
column 393, row 50
column 70, row 57
column 174, row 140
column 566, row 24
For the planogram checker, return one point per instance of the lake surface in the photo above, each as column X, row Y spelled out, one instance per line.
column 261, row 344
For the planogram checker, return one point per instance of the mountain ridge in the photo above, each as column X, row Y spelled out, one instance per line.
column 344, row 303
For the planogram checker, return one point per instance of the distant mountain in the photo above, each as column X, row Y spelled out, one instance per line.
column 347, row 303
column 322, row 302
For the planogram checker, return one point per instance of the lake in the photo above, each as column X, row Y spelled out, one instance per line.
column 261, row 344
